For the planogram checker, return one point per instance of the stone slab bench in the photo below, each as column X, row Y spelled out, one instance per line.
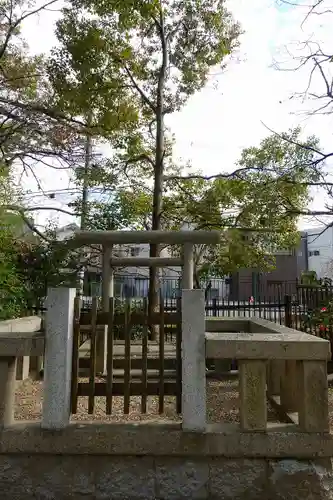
column 30, row 324
column 295, row 346
column 303, row 377
column 14, row 345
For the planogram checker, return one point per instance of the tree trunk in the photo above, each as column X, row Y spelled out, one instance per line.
column 158, row 175
column 156, row 217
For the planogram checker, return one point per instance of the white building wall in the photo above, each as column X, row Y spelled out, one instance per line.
column 320, row 251
column 66, row 232
column 143, row 251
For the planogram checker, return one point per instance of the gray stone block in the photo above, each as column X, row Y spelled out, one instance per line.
column 300, row 480
column 46, row 477
column 177, row 479
column 125, row 478
column 91, row 477
column 240, row 479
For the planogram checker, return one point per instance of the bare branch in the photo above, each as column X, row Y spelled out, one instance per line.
column 144, row 97
column 17, row 208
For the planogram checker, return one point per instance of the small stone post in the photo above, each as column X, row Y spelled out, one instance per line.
column 58, row 357
column 290, row 389
column 107, row 292
column 193, row 360
column 313, row 397
column 23, row 368
column 275, row 372
column 7, row 390
column 252, row 394
column 188, row 264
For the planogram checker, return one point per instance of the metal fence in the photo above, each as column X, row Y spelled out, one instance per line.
column 303, row 303
column 232, row 288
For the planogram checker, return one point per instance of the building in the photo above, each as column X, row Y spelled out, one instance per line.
column 66, row 232
column 271, row 285
column 319, row 250
column 315, row 253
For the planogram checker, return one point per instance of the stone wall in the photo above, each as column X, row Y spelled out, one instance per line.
column 27, row 477
column 162, row 462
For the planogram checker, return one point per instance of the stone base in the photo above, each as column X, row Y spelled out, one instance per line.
column 89, row 477
column 300, row 480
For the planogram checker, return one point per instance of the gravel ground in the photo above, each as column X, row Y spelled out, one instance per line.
column 222, row 405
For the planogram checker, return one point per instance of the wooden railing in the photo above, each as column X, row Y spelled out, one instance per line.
column 135, row 365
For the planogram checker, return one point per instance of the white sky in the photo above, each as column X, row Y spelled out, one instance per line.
column 229, row 113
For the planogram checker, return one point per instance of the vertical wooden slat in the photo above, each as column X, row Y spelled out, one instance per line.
column 109, row 361
column 92, row 375
column 127, row 371
column 144, row 359
column 161, row 358
column 179, row 358
column 75, row 361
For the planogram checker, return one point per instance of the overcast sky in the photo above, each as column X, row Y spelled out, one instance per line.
column 233, row 109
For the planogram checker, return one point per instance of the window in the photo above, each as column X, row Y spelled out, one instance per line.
column 313, row 253
column 274, row 250
column 283, row 251
column 135, row 251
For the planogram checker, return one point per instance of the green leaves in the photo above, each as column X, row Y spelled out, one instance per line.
column 112, row 52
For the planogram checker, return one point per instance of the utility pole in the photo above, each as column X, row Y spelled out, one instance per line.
column 84, row 200
column 85, row 190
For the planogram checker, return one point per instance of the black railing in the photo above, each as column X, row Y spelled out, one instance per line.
column 296, row 310
column 242, row 288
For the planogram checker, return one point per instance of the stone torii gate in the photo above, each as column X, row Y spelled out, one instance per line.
column 107, row 239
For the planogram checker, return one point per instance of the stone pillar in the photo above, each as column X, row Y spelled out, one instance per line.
column 188, row 267
column 7, row 390
column 193, row 360
column 58, row 357
column 252, row 394
column 36, row 366
column 23, row 367
column 313, row 399
column 107, row 292
column 290, row 387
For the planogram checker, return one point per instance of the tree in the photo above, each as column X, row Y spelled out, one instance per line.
column 30, row 129
column 43, row 264
column 313, row 58
column 35, row 128
column 28, row 264
column 256, row 208
column 160, row 52
column 11, row 289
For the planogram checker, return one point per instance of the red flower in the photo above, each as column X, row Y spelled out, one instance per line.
column 323, row 328
column 323, row 309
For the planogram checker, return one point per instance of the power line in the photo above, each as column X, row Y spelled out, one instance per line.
column 63, row 191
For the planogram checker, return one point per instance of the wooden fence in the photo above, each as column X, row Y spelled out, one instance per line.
column 135, row 365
